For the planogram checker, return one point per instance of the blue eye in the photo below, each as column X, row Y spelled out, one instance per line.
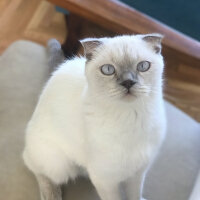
column 107, row 69
column 143, row 66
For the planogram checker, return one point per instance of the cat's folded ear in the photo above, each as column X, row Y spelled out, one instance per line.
column 154, row 40
column 89, row 45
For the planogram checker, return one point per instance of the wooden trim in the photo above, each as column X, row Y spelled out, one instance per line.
column 122, row 19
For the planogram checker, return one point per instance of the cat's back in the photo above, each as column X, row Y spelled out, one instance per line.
column 70, row 73
column 66, row 83
column 56, row 124
column 68, row 78
column 60, row 101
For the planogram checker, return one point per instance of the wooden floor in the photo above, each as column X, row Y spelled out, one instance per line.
column 37, row 20
column 34, row 20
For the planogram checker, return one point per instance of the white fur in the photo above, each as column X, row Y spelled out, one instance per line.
column 72, row 129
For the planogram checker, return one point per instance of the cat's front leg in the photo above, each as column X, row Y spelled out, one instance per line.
column 106, row 190
column 48, row 190
column 134, row 186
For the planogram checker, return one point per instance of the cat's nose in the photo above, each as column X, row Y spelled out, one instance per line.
column 128, row 83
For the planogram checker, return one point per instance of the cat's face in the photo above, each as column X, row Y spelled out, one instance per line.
column 124, row 67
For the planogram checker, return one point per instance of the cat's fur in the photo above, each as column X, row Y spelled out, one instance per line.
column 55, row 54
column 87, row 124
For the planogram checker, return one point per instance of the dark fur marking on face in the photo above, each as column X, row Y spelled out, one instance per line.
column 157, row 49
column 155, row 41
column 124, row 62
column 89, row 56
column 89, row 46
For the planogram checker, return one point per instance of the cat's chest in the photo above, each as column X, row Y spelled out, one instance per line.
column 117, row 129
column 114, row 119
column 120, row 140
column 120, row 143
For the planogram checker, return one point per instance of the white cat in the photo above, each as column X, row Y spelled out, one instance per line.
column 100, row 116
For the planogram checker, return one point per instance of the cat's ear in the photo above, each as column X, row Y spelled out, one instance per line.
column 154, row 40
column 89, row 45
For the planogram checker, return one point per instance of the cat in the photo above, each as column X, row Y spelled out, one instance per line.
column 100, row 116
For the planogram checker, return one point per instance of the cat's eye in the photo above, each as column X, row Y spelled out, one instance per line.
column 107, row 69
column 143, row 66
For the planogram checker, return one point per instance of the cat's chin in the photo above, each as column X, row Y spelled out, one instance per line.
column 129, row 97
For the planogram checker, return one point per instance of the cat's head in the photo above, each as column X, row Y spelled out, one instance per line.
column 124, row 67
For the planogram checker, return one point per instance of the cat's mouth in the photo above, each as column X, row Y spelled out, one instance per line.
column 129, row 94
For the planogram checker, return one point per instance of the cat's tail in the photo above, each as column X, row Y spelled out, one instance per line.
column 55, row 54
